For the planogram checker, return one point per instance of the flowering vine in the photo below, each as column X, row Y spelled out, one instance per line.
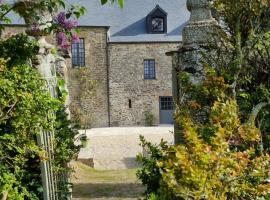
column 64, row 33
column 63, row 24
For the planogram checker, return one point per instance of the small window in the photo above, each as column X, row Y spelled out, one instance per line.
column 78, row 53
column 149, row 69
column 129, row 103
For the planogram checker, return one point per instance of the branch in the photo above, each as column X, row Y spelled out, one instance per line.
column 4, row 14
column 255, row 111
column 9, row 110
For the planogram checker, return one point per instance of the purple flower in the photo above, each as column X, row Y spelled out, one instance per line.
column 1, row 1
column 61, row 18
column 75, row 39
column 70, row 24
column 64, row 22
column 61, row 38
column 65, row 46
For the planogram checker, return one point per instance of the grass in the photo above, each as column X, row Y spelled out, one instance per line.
column 91, row 184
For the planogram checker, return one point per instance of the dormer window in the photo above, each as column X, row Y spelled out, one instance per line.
column 156, row 21
column 157, row 24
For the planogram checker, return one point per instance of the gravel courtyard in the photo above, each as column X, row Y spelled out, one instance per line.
column 116, row 148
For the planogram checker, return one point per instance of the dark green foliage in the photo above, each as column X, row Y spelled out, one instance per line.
column 24, row 105
column 18, row 49
column 65, row 150
column 150, row 173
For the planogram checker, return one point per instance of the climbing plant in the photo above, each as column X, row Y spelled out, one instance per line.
column 24, row 105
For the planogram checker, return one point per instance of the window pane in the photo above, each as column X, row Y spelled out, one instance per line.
column 149, row 69
column 166, row 103
column 78, row 53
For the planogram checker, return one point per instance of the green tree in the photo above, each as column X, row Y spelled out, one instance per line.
column 225, row 156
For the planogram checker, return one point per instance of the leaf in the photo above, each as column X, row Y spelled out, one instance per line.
column 121, row 3
column 103, row 2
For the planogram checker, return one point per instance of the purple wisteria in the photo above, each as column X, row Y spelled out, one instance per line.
column 75, row 39
column 61, row 38
column 67, row 25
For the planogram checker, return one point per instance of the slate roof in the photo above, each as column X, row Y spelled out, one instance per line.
column 129, row 24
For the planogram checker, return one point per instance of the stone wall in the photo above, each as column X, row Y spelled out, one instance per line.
column 88, row 85
column 126, row 80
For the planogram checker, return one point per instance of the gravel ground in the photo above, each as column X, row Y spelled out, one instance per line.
column 116, row 148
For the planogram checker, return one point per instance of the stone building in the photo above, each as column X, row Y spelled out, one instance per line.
column 118, row 73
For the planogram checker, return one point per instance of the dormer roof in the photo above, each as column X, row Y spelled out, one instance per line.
column 158, row 9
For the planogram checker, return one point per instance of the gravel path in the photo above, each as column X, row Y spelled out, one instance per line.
column 116, row 148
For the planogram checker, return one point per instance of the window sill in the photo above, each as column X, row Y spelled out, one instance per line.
column 150, row 79
column 77, row 67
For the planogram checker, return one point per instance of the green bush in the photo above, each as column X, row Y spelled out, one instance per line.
column 230, row 167
column 24, row 107
column 149, row 118
column 150, row 173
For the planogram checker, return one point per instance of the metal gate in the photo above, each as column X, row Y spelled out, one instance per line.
column 166, row 107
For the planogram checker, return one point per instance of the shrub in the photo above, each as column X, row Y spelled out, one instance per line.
column 149, row 118
column 230, row 167
column 150, row 173
column 24, row 104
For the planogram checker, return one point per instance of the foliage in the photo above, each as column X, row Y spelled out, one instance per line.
column 149, row 118
column 150, row 174
column 120, row 2
column 240, row 53
column 24, row 107
column 61, row 24
column 229, row 165
column 87, row 89
column 224, row 119
column 18, row 49
column 65, row 151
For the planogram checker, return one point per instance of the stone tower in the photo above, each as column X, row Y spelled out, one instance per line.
column 187, row 58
